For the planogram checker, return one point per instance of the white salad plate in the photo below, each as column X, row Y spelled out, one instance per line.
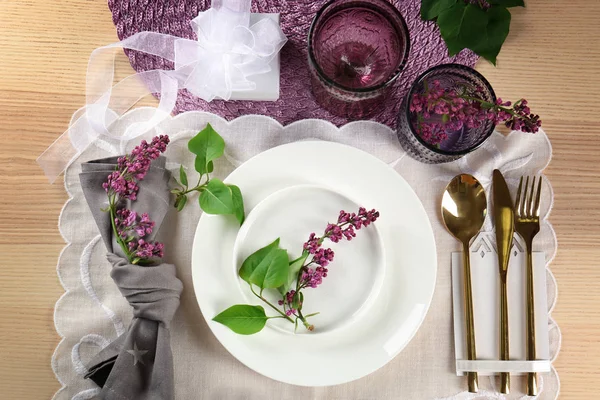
column 355, row 275
column 379, row 285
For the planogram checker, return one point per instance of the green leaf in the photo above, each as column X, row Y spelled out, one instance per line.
column 243, row 319
column 460, row 26
column 431, row 9
column 507, row 3
column 183, row 176
column 250, row 263
column 267, row 267
column 207, row 145
column 468, row 26
column 294, row 268
column 216, row 198
column 238, row 203
column 181, row 202
column 493, row 36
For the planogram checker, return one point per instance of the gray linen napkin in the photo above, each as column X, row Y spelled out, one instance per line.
column 138, row 364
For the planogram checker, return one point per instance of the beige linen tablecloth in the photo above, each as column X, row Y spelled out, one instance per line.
column 92, row 312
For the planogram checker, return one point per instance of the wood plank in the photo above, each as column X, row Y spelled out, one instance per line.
column 551, row 58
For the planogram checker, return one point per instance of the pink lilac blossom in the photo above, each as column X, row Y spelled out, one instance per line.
column 144, row 225
column 345, row 228
column 312, row 244
column 334, row 233
column 134, row 167
column 288, row 301
column 119, row 184
column 132, row 229
column 313, row 277
column 128, row 222
column 459, row 109
column 125, row 218
column 323, row 257
column 145, row 250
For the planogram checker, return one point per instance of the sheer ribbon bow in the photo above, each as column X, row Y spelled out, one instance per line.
column 228, row 51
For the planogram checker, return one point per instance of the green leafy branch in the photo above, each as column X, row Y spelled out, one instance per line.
column 215, row 197
column 480, row 25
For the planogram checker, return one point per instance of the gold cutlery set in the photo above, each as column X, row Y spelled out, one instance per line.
column 464, row 207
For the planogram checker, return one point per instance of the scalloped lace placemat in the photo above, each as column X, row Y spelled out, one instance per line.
column 296, row 101
column 92, row 312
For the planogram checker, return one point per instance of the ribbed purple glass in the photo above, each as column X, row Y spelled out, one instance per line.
column 458, row 143
column 356, row 50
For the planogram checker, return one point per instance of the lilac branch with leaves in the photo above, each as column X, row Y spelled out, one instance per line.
column 270, row 268
column 216, row 197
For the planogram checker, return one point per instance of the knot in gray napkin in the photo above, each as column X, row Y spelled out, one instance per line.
column 152, row 291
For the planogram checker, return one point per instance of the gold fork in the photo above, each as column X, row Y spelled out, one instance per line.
column 527, row 225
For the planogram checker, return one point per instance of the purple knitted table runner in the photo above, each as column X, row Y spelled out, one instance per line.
column 296, row 101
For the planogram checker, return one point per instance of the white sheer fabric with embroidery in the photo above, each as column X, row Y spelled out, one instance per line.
column 228, row 51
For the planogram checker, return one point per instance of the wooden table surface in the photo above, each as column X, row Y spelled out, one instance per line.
column 551, row 57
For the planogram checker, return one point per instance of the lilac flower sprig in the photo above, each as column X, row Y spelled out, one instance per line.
column 134, row 167
column 457, row 108
column 131, row 230
column 270, row 268
column 317, row 258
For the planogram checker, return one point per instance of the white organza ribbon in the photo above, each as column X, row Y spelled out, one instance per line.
column 227, row 52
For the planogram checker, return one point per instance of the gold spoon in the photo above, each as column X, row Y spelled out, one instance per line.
column 464, row 207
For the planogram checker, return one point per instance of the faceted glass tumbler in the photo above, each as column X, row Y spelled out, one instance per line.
column 356, row 50
column 458, row 143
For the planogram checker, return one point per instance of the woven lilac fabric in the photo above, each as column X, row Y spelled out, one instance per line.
column 296, row 101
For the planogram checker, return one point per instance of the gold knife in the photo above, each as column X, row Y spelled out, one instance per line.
column 505, row 226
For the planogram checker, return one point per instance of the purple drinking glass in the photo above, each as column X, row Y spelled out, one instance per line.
column 458, row 143
column 356, row 50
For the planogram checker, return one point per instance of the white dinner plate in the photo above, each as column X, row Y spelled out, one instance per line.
column 379, row 286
